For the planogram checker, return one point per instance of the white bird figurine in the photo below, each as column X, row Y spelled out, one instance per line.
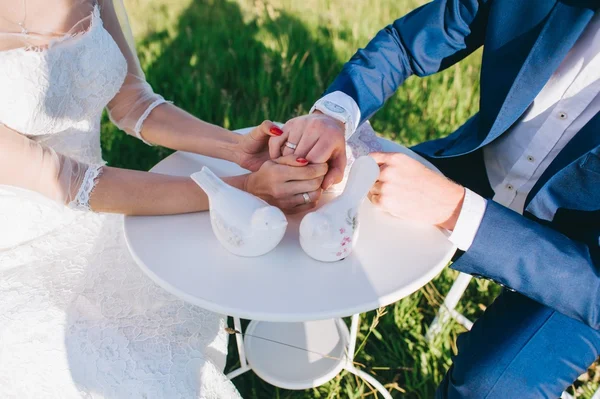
column 330, row 233
column 244, row 224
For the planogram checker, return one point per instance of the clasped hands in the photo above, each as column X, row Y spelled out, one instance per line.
column 405, row 188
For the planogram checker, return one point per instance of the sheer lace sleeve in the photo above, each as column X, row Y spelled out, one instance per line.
column 30, row 165
column 136, row 99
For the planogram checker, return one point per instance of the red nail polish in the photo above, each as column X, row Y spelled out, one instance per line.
column 276, row 131
column 301, row 160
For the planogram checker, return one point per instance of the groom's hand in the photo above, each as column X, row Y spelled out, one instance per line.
column 318, row 138
column 409, row 190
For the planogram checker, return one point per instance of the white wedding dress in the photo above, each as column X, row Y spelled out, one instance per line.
column 77, row 316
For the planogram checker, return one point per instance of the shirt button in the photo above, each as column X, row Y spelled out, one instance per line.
column 509, row 187
column 530, row 158
column 563, row 115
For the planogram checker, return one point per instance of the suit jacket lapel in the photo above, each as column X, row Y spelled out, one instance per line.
column 583, row 142
column 557, row 36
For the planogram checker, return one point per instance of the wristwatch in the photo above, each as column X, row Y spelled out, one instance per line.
column 336, row 112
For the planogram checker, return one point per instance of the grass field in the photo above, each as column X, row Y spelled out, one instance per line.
column 237, row 62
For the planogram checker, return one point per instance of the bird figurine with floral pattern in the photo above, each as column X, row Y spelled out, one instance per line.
column 331, row 232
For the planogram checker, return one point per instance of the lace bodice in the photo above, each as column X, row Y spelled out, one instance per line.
column 53, row 98
column 57, row 85
column 64, row 86
column 57, row 97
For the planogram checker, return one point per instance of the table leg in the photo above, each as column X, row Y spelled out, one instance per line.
column 288, row 353
column 350, row 359
column 371, row 380
column 448, row 308
column 239, row 338
column 353, row 334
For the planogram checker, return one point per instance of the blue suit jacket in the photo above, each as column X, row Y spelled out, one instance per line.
column 552, row 252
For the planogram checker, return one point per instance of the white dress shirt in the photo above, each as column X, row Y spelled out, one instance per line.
column 515, row 161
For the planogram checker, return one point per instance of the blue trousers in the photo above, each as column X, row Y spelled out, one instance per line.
column 519, row 348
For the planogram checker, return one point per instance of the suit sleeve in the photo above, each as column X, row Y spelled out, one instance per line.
column 427, row 40
column 536, row 261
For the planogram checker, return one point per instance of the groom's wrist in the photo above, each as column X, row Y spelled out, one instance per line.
column 341, row 124
column 342, row 108
column 240, row 181
column 468, row 220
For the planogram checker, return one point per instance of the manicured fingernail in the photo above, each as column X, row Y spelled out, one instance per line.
column 276, row 131
column 301, row 160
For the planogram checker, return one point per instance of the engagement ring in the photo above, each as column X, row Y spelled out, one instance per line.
column 306, row 198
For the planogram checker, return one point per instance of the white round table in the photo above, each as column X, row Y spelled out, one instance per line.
column 290, row 298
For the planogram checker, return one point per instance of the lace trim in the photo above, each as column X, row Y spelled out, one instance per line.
column 138, row 126
column 82, row 199
column 95, row 19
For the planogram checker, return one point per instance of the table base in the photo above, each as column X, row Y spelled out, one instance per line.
column 300, row 355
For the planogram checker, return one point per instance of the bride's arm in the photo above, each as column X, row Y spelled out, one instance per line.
column 140, row 112
column 132, row 192
column 172, row 127
column 27, row 164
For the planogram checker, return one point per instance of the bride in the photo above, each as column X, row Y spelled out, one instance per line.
column 77, row 317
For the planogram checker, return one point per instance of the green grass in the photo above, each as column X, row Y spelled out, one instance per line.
column 237, row 62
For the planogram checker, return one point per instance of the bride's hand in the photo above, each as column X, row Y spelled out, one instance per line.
column 253, row 148
column 283, row 181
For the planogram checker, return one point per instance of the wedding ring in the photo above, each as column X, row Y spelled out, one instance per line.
column 306, row 198
column 291, row 145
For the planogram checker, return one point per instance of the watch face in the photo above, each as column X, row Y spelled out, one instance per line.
column 333, row 107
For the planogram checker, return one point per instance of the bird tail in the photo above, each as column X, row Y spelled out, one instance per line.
column 208, row 181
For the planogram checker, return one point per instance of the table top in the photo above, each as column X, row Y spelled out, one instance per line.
column 391, row 260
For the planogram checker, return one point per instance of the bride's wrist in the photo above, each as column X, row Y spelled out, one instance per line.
column 234, row 149
column 239, row 182
column 227, row 146
column 210, row 140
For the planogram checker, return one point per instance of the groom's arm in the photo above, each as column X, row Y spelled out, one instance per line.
column 425, row 41
column 523, row 253
column 536, row 261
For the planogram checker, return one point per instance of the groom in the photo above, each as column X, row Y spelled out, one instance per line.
column 523, row 202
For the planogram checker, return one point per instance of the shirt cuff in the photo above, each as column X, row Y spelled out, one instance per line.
column 468, row 221
column 343, row 100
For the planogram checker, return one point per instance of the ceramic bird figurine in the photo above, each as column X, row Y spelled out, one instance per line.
column 244, row 224
column 363, row 142
column 330, row 233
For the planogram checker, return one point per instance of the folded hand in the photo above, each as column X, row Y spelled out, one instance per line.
column 282, row 182
column 409, row 190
